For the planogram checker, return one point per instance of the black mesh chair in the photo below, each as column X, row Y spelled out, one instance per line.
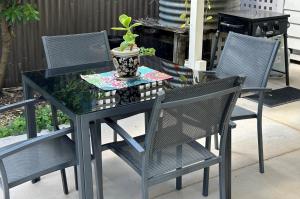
column 180, row 117
column 30, row 159
column 74, row 53
column 77, row 52
column 253, row 58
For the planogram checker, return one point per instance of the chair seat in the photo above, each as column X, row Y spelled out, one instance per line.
column 39, row 160
column 165, row 160
column 240, row 113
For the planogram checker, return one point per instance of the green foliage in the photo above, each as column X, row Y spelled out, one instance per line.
column 76, row 94
column 15, row 12
column 44, row 118
column 16, row 127
column 129, row 37
column 185, row 17
column 147, row 51
column 209, row 6
column 43, row 121
column 183, row 78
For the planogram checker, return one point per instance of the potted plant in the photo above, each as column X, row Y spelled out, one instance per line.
column 126, row 57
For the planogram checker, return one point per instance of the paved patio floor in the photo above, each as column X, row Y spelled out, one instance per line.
column 281, row 129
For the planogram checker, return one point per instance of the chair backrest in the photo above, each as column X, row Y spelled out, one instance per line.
column 249, row 56
column 67, row 52
column 186, row 114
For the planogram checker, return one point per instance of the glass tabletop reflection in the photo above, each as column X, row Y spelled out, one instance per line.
column 81, row 97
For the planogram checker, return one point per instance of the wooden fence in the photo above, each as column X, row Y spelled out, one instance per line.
column 67, row 17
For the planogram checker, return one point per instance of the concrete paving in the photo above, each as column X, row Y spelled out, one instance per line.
column 281, row 130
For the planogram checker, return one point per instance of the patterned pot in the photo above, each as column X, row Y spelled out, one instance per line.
column 128, row 95
column 126, row 62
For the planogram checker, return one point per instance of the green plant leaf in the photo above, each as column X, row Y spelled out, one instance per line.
column 183, row 78
column 135, row 25
column 183, row 26
column 119, row 28
column 124, row 45
column 183, row 16
column 125, row 20
column 130, row 38
column 186, row 3
column 30, row 13
column 147, row 51
column 208, row 18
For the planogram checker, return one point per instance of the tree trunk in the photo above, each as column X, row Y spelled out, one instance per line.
column 6, row 44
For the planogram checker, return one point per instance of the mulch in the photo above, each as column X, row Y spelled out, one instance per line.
column 9, row 96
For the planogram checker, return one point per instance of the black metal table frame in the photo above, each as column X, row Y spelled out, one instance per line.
column 92, row 121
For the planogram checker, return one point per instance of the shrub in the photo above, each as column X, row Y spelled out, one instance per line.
column 43, row 121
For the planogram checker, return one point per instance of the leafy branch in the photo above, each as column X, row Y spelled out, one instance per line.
column 208, row 8
column 184, row 16
column 129, row 37
column 147, row 51
column 12, row 13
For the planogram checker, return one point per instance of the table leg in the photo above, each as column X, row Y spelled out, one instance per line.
column 30, row 116
column 147, row 119
column 96, row 145
column 83, row 152
column 286, row 60
column 29, row 112
column 228, row 165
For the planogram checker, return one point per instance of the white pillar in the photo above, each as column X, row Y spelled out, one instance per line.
column 195, row 61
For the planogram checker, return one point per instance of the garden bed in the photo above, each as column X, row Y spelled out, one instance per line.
column 13, row 122
column 9, row 96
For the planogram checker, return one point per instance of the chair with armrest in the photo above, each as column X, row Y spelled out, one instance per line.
column 180, row 117
column 27, row 160
column 253, row 58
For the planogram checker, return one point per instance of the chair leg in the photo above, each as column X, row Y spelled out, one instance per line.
column 260, row 145
column 179, row 166
column 75, row 167
column 205, row 182
column 178, row 183
column 222, row 180
column 6, row 194
column 216, row 138
column 63, row 171
column 145, row 191
column 115, row 139
column 64, row 181
column 76, row 178
column 206, row 170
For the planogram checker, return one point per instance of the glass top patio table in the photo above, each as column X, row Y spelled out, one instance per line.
column 85, row 104
column 81, row 97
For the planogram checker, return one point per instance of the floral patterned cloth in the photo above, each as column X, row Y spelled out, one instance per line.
column 108, row 81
